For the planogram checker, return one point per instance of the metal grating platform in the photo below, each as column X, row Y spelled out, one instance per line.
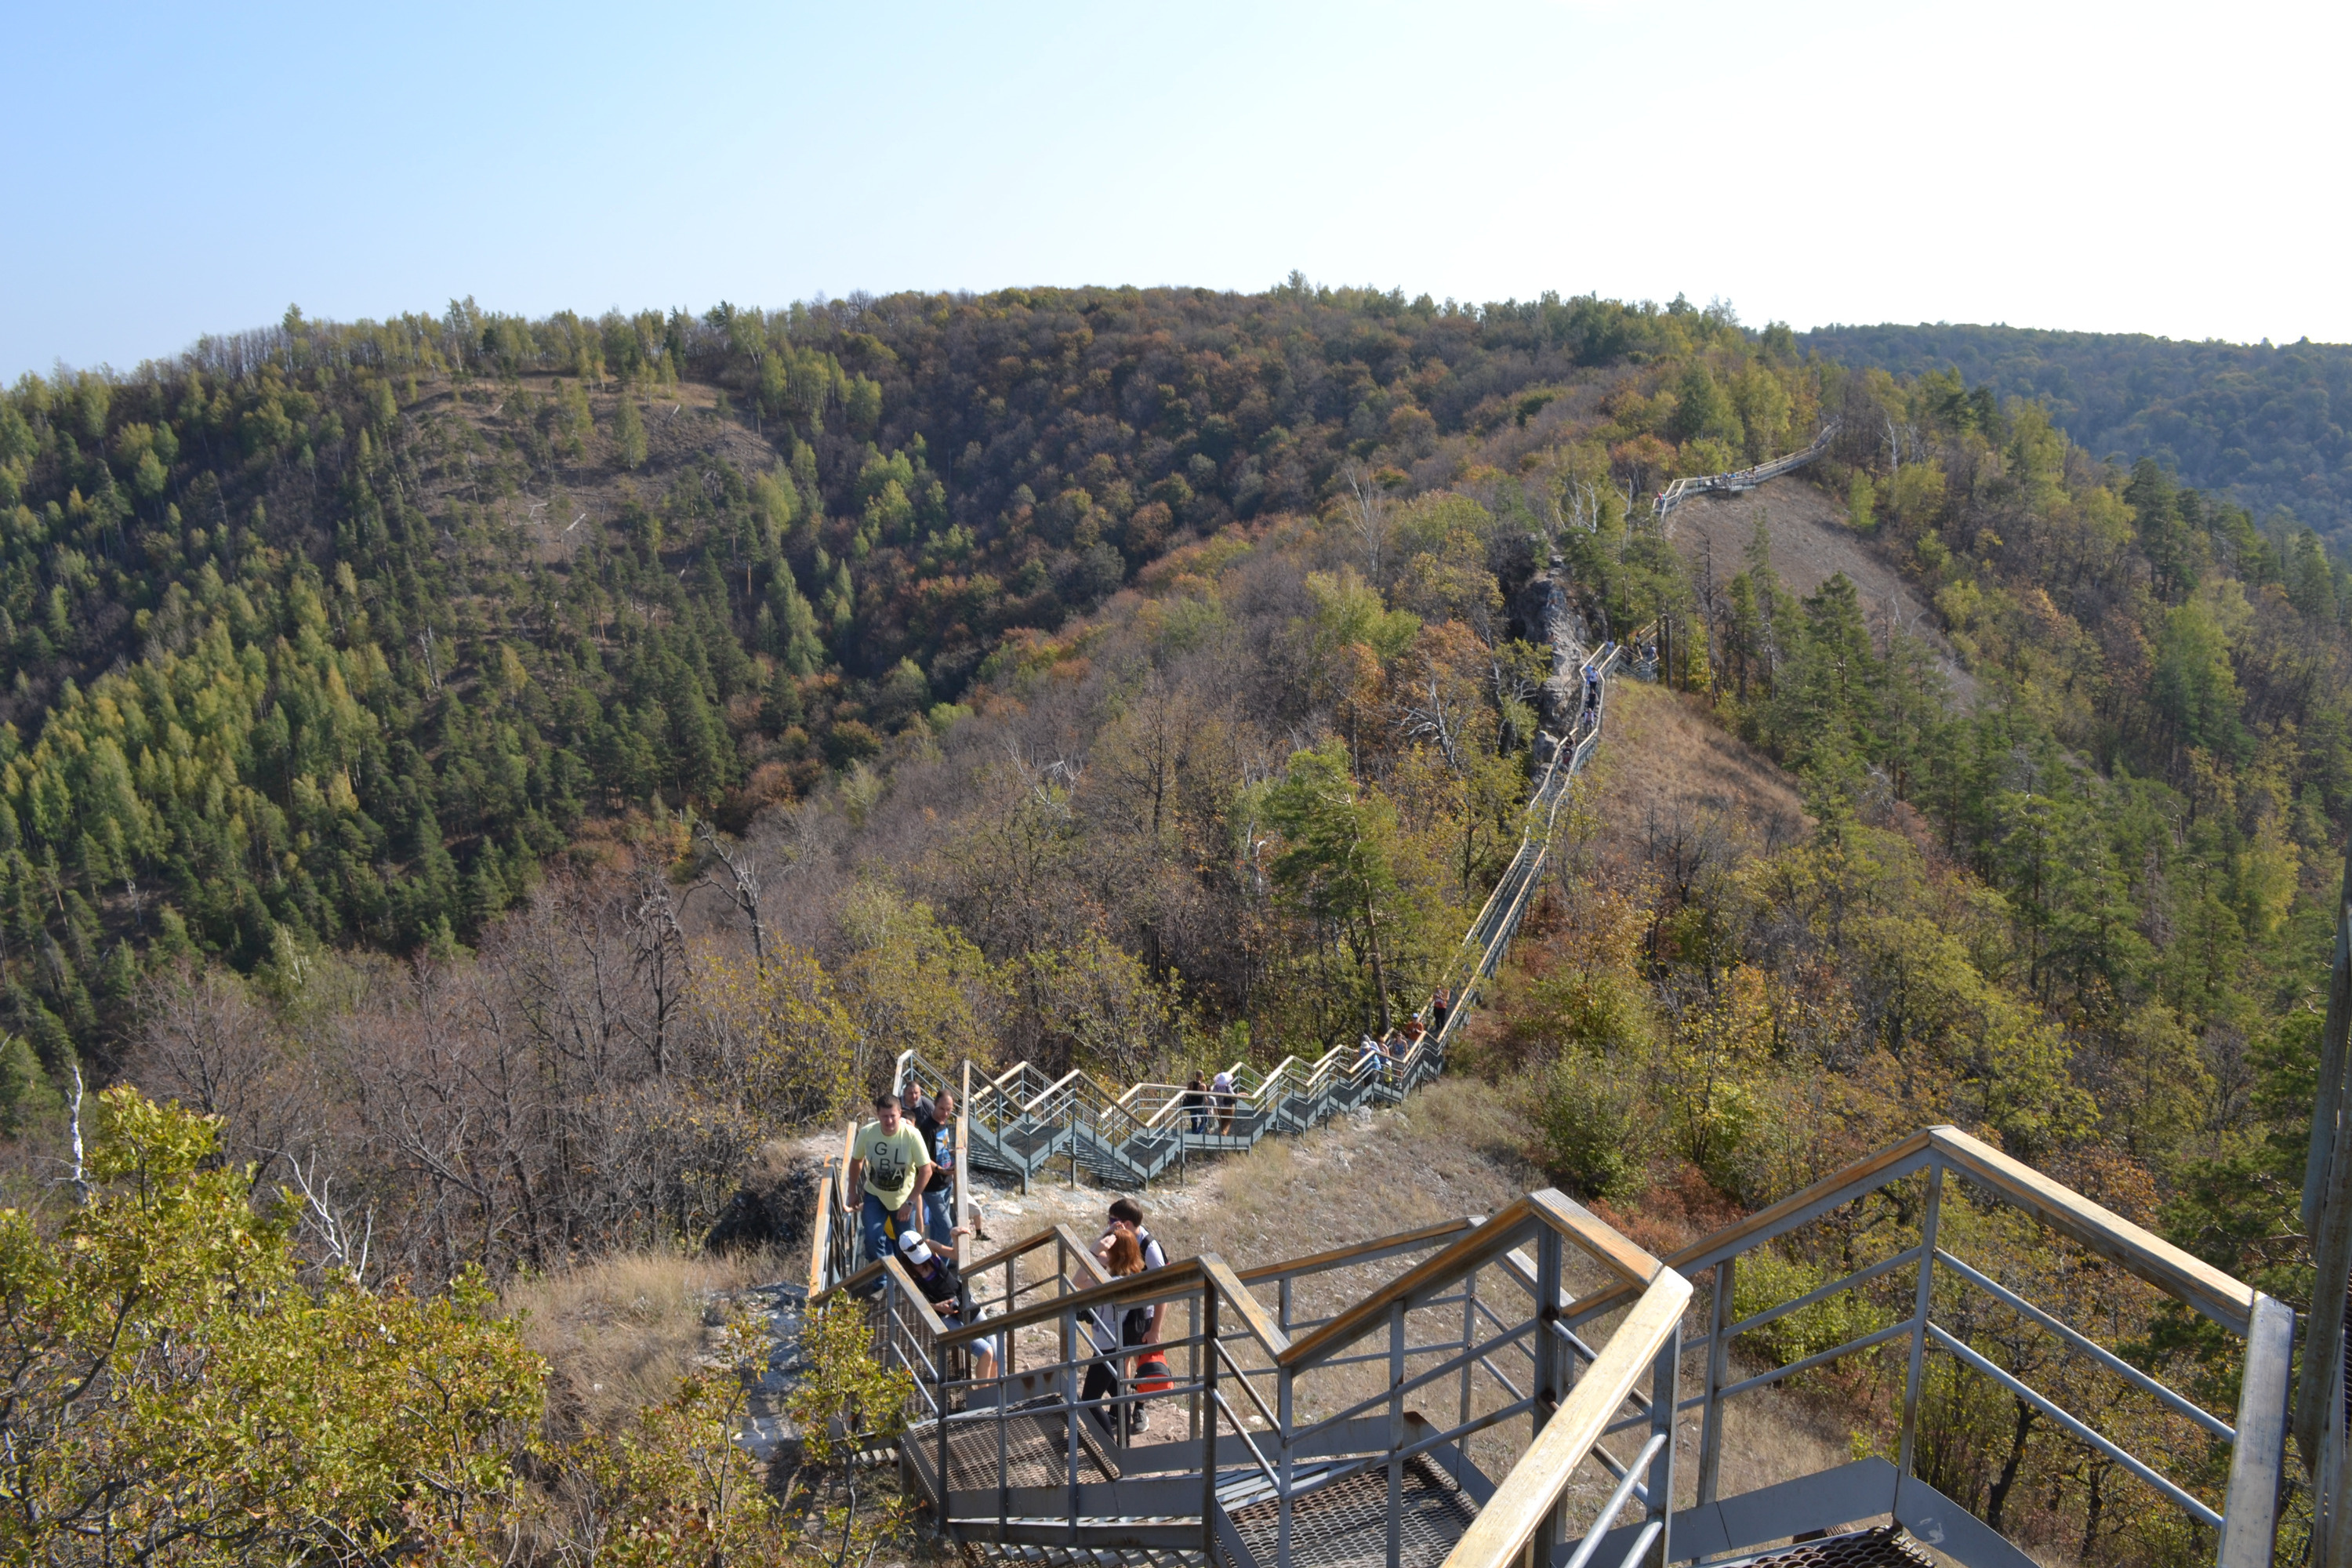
column 1345, row 1525
column 1885, row 1547
column 1036, row 1450
column 1083, row 1556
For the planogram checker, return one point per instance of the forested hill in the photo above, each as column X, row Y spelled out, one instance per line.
column 331, row 633
column 2264, row 424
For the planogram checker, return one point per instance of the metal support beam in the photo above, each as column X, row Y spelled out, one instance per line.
column 1070, row 1413
column 1549, row 1387
column 1918, row 1367
column 1286, row 1511
column 1396, row 1435
column 1665, row 1374
column 1208, row 1405
column 2249, row 1510
column 1719, row 1367
column 1469, row 1340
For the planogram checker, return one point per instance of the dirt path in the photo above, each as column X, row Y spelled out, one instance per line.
column 1811, row 543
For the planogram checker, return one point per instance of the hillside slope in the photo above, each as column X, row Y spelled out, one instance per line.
column 1810, row 542
column 2263, row 424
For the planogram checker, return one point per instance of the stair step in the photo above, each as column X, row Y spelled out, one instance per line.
column 1345, row 1525
column 1886, row 1547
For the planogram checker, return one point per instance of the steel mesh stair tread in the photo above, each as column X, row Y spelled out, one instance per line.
column 1888, row 1546
column 1035, row 1451
column 1345, row 1525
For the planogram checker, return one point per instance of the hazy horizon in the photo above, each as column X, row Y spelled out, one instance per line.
column 1829, row 162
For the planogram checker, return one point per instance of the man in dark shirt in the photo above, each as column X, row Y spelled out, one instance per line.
column 936, row 1122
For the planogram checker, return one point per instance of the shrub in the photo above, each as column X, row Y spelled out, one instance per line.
column 1593, row 1135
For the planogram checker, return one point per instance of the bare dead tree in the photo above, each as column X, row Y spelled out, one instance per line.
column 745, row 893
column 659, row 957
column 1367, row 517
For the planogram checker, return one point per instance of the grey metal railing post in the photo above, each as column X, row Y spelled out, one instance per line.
column 1914, row 1372
column 1718, row 1363
column 1208, row 1406
column 962, row 1210
column 2251, row 1508
column 1469, row 1339
column 1549, row 1354
column 1287, row 1456
column 1070, row 1411
column 1192, row 1364
column 1547, row 1383
column 1666, row 1376
column 939, row 1416
column 1396, row 1435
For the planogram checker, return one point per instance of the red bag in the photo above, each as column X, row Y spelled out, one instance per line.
column 1152, row 1374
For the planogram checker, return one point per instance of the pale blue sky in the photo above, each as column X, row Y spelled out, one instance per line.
column 176, row 170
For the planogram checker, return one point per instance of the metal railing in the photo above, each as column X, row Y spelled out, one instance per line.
column 1938, row 1287
column 1738, row 480
column 1272, row 1438
column 1281, row 1427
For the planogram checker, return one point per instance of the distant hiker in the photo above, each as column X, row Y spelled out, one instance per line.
column 1439, row 1005
column 942, row 1284
column 936, row 1124
column 1592, row 693
column 1196, row 1104
column 1221, row 1090
column 888, row 1166
column 1368, row 1057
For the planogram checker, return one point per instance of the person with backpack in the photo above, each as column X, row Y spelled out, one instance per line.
column 1138, row 1325
column 1221, row 1091
column 1122, row 1257
column 943, row 1285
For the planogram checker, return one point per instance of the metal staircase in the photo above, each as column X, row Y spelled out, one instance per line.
column 1022, row 1123
column 1532, row 1386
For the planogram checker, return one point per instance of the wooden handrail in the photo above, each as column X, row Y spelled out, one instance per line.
column 1506, row 1229
column 1362, row 1252
column 1236, row 1295
column 1081, row 1253
column 851, row 1282
column 821, row 1235
column 1509, row 1520
column 1206, row 1270
column 2227, row 1301
column 1005, row 1254
column 1603, row 1242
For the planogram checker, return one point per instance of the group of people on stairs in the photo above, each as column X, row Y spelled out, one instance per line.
column 902, row 1181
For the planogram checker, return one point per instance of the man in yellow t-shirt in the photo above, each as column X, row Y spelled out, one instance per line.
column 888, row 1169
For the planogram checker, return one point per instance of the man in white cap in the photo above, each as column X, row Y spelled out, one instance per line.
column 937, row 1278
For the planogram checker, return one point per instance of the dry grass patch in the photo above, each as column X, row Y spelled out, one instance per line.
column 620, row 1333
